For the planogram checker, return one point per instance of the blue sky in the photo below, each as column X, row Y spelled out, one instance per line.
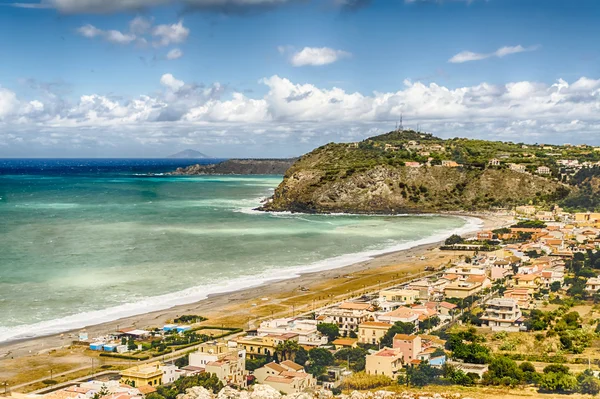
column 279, row 77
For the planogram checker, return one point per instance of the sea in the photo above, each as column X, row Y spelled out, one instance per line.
column 86, row 241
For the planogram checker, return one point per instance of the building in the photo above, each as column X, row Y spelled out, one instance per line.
column 517, row 167
column 462, row 289
column 543, row 170
column 403, row 314
column 450, row 164
column 287, row 377
column 342, row 343
column 144, row 374
column 592, row 285
column 409, row 345
column 412, row 164
column 502, row 314
column 227, row 360
column 485, row 236
column 387, row 361
column 306, row 330
column 230, row 370
column 525, row 210
column 347, row 315
column 401, row 296
column 264, row 345
column 494, row 162
column 371, row 332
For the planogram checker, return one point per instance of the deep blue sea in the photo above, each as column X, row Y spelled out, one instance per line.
column 83, row 241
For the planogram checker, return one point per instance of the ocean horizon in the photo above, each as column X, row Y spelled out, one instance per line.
column 87, row 241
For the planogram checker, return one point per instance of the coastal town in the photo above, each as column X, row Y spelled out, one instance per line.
column 516, row 307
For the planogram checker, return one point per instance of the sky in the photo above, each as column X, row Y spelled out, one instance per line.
column 277, row 78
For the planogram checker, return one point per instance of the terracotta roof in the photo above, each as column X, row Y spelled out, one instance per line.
column 448, row 305
column 401, row 312
column 275, row 366
column 146, row 389
column 345, row 341
column 283, row 380
column 292, row 365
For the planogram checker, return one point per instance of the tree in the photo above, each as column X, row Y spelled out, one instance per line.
column 422, row 375
column 555, row 286
column 557, row 382
column 301, row 356
column 331, row 330
column 103, row 392
column 286, row 350
column 503, row 371
column 398, row 328
column 131, row 345
column 454, row 239
column 355, row 356
column 320, row 358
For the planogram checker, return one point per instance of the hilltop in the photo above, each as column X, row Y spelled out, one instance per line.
column 408, row 171
column 189, row 154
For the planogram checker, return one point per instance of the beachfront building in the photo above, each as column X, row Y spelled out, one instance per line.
column 287, row 377
column 502, row 314
column 306, row 330
column 144, row 374
column 371, row 332
column 347, row 315
column 387, row 361
column 265, row 345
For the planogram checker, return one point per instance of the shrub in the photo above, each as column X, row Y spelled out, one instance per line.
column 364, row 381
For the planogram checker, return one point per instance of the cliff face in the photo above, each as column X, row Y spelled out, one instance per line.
column 239, row 167
column 331, row 179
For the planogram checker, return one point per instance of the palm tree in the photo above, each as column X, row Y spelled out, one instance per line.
column 287, row 350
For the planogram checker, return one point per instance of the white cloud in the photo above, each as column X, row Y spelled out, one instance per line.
column 112, row 36
column 299, row 116
column 466, row 56
column 169, row 81
column 89, row 31
column 140, row 32
column 140, row 25
column 174, row 54
column 314, row 55
column 169, row 34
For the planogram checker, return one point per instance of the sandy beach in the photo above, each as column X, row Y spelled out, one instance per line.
column 23, row 360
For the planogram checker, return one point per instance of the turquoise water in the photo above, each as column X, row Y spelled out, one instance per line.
column 78, row 248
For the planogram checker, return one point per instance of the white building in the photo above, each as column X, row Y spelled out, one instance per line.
column 306, row 330
column 502, row 314
column 347, row 315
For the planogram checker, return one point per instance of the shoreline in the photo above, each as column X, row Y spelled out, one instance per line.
column 214, row 305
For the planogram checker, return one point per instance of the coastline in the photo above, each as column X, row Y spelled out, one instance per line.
column 277, row 297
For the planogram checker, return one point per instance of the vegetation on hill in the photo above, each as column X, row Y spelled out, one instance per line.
column 407, row 171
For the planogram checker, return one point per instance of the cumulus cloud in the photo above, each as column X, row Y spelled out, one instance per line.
column 300, row 116
column 466, row 56
column 141, row 32
column 174, row 54
column 169, row 34
column 314, row 56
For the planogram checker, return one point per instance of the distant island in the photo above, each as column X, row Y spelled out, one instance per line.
column 239, row 167
column 405, row 171
column 189, row 154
